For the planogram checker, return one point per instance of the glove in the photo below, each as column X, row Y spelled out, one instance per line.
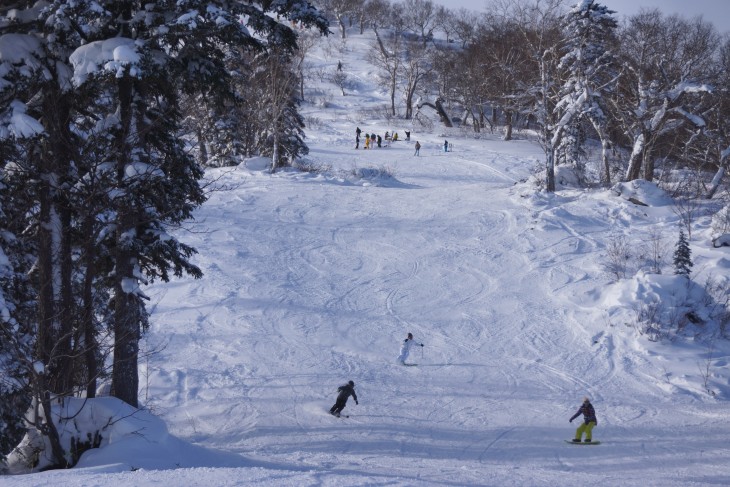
column 421, row 344
column 570, row 421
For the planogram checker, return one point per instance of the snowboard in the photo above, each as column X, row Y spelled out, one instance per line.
column 583, row 442
column 410, row 365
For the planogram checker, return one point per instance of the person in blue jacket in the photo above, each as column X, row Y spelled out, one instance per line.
column 589, row 421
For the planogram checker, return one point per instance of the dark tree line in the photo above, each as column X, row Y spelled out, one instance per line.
column 96, row 129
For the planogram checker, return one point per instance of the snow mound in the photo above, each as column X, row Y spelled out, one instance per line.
column 112, row 431
column 257, row 164
column 640, row 191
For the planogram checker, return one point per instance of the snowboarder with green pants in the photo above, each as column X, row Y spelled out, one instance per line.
column 589, row 421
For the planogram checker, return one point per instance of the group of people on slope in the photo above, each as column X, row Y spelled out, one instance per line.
column 586, row 409
column 371, row 140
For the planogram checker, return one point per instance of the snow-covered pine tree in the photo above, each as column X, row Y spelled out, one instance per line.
column 274, row 88
column 38, row 172
column 682, row 256
column 93, row 156
column 589, row 71
column 142, row 57
column 571, row 150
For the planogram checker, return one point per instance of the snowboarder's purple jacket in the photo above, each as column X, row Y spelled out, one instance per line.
column 588, row 413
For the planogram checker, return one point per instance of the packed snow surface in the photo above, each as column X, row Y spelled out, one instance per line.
column 314, row 278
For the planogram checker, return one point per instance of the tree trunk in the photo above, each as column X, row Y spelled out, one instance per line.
column 409, row 102
column 508, row 125
column 275, row 153
column 343, row 28
column 87, row 320
column 440, row 110
column 550, row 170
column 605, row 147
column 648, row 165
column 48, row 427
column 125, row 375
column 392, row 95
column 46, row 311
column 634, row 170
column 66, row 345
column 715, row 184
column 202, row 148
column 54, row 260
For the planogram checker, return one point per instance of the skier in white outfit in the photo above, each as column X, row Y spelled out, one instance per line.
column 405, row 349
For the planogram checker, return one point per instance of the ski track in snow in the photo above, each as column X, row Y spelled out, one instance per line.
column 308, row 295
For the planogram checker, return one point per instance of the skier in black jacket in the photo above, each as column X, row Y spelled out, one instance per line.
column 590, row 420
column 345, row 392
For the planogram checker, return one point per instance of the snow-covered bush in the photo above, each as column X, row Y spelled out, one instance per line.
column 90, row 427
column 667, row 307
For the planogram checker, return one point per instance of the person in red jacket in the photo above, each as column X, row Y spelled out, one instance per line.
column 589, row 421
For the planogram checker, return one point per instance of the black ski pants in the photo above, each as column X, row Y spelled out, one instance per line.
column 339, row 406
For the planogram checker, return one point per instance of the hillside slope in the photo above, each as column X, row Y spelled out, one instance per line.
column 313, row 279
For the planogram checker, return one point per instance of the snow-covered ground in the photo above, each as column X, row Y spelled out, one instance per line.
column 314, row 278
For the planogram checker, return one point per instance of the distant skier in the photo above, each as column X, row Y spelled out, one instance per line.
column 357, row 137
column 590, row 420
column 345, row 391
column 408, row 136
column 418, row 149
column 405, row 349
column 380, row 141
column 446, row 146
